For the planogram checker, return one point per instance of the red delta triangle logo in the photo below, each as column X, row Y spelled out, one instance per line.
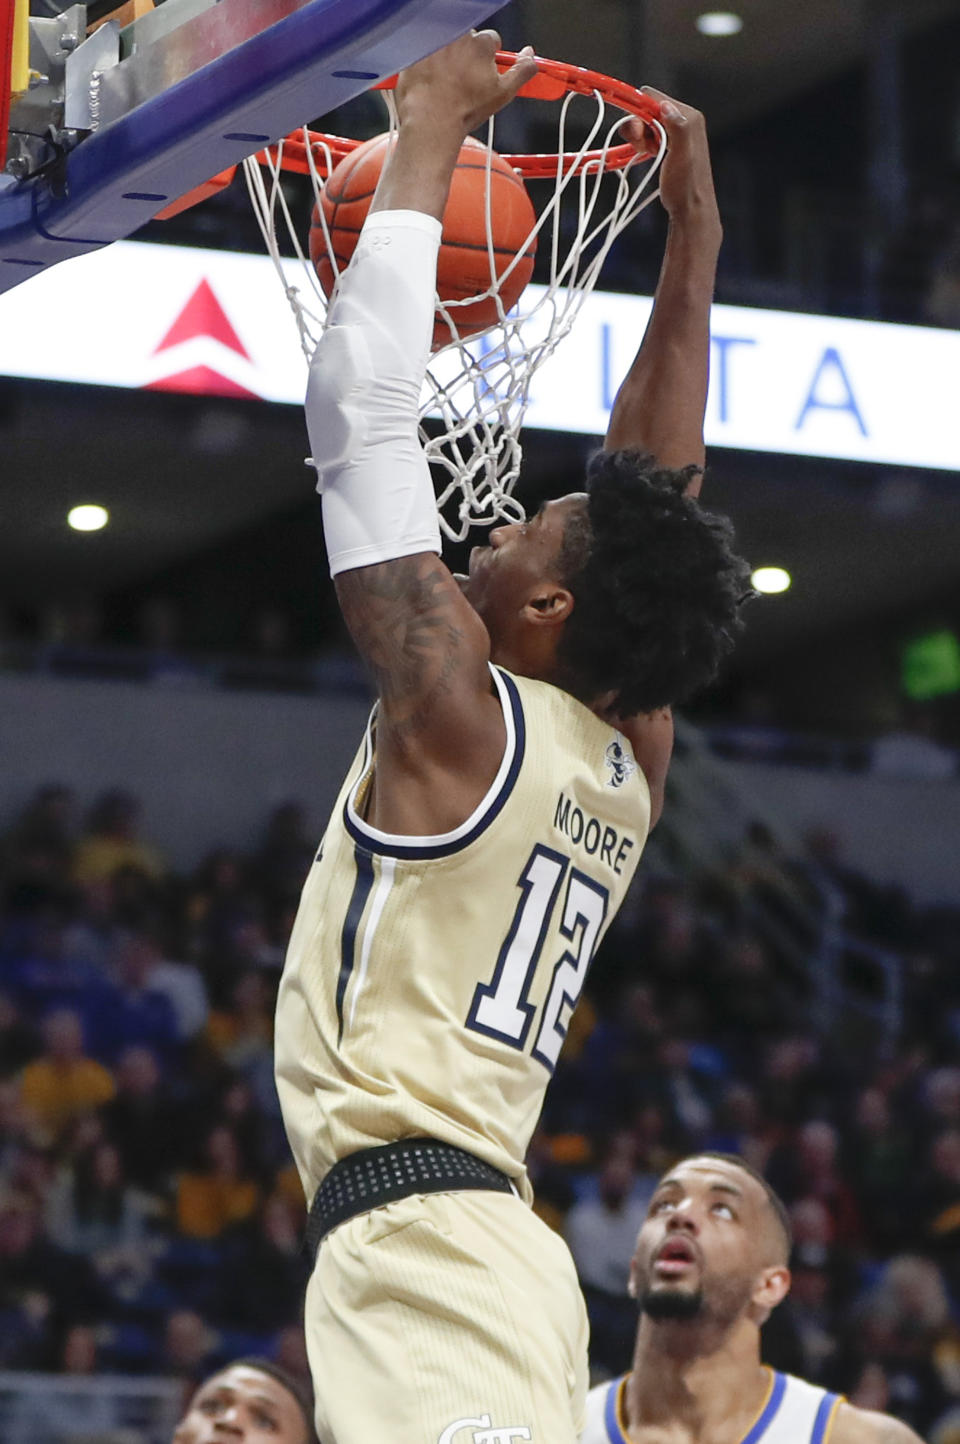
column 202, row 317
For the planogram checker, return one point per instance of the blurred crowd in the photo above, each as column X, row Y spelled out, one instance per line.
column 150, row 1215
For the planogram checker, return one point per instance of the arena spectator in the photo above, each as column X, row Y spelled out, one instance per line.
column 286, row 854
column 133, row 1010
column 813, row 1231
column 91, row 1211
column 29, row 1172
column 63, row 1083
column 681, row 1091
column 904, row 1325
column 15, row 1125
column 137, row 896
column 241, row 1109
column 652, row 1148
column 942, row 1092
column 791, row 1086
column 939, row 1210
column 619, row 1058
column 40, row 844
column 42, row 975
column 93, row 933
column 739, row 1127
column 110, row 841
column 220, row 1193
column 79, row 1351
column 243, row 1034
column 553, row 1192
column 290, row 1352
column 218, row 897
column 753, row 999
column 266, row 1274
column 183, row 984
column 18, row 1039
column 42, row 1288
column 601, row 1233
column 144, row 1121
column 253, row 946
column 812, row 1315
column 879, row 1153
column 188, row 1348
column 242, row 1037
column 811, row 1169
column 226, row 933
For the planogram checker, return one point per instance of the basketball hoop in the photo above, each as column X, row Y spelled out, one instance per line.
column 479, row 386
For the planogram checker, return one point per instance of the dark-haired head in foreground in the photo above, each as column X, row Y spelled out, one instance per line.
column 250, row 1401
column 627, row 595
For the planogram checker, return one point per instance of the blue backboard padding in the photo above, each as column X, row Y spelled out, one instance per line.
column 118, row 178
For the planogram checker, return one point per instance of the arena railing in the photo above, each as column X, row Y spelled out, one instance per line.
column 703, row 829
column 110, row 1409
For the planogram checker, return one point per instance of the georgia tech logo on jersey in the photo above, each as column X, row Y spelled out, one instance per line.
column 618, row 762
column 482, row 1432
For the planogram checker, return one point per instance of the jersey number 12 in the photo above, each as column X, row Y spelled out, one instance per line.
column 501, row 1008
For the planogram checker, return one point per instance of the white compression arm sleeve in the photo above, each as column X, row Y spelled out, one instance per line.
column 363, row 394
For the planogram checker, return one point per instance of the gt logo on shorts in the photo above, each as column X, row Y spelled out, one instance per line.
column 482, row 1432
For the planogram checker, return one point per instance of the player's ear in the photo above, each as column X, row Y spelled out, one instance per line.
column 772, row 1288
column 548, row 605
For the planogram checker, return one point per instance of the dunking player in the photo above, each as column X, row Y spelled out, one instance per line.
column 491, row 823
column 250, row 1401
column 709, row 1267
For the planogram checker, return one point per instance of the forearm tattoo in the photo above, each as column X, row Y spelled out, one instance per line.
column 403, row 617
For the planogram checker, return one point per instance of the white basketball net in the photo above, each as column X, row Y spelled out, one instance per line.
column 479, row 388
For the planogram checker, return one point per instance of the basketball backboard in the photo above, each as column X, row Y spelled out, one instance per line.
column 140, row 115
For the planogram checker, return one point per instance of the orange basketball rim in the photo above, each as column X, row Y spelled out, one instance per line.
column 554, row 80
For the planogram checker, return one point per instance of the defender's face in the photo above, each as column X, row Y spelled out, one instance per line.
column 704, row 1245
column 521, row 559
column 242, row 1406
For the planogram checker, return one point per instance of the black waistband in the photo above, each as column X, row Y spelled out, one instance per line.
column 375, row 1176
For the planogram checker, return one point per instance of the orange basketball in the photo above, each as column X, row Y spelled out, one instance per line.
column 463, row 266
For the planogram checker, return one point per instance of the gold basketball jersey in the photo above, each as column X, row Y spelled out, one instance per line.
column 429, row 981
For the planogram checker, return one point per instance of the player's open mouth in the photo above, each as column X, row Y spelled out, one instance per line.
column 675, row 1257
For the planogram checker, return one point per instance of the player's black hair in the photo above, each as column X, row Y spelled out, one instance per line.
column 657, row 587
column 777, row 1205
column 288, row 1381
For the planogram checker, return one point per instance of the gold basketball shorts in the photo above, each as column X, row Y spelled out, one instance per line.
column 449, row 1318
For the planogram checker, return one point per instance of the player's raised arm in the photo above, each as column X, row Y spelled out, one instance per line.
column 425, row 645
column 660, row 406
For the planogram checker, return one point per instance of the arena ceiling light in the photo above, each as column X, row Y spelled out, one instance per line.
column 719, row 22
column 770, row 580
column 89, row 517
